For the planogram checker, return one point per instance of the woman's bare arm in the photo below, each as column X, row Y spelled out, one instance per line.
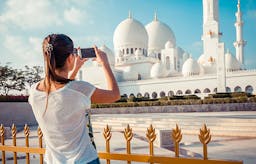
column 111, row 94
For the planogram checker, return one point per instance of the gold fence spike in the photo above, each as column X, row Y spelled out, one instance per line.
column 40, row 140
column 204, row 138
column 128, row 136
column 2, row 131
column 39, row 132
column 26, row 132
column 107, row 135
column 14, row 132
column 176, row 136
column 151, row 136
column 128, row 133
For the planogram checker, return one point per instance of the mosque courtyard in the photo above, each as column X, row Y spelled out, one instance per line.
column 233, row 134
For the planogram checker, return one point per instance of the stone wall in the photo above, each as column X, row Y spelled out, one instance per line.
column 178, row 108
column 20, row 113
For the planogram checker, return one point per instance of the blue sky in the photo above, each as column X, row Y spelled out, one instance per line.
column 24, row 24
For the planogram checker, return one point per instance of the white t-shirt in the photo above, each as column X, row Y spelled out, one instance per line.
column 64, row 123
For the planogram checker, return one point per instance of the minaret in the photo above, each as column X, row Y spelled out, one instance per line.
column 221, row 69
column 130, row 15
column 239, row 43
column 211, row 33
column 155, row 17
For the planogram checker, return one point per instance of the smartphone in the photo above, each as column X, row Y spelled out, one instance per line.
column 86, row 52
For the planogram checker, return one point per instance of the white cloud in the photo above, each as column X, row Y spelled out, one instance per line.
column 27, row 51
column 36, row 44
column 73, row 15
column 89, row 41
column 3, row 29
column 75, row 2
column 197, row 45
column 30, row 14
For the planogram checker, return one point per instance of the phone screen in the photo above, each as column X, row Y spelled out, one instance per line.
column 86, row 53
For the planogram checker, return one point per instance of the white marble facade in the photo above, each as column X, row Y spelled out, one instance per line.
column 146, row 60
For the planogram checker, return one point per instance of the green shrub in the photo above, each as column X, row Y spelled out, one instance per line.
column 252, row 99
column 220, row 95
column 131, row 98
column 240, row 94
column 176, row 97
column 122, row 99
column 194, row 97
column 140, row 99
column 165, row 98
column 180, row 100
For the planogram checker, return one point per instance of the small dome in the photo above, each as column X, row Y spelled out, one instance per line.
column 109, row 53
column 210, row 67
column 202, row 59
column 190, row 67
column 231, row 63
column 158, row 34
column 168, row 45
column 157, row 70
column 130, row 32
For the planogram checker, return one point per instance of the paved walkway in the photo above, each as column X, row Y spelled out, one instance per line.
column 221, row 147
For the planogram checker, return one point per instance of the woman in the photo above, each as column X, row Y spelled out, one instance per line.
column 59, row 102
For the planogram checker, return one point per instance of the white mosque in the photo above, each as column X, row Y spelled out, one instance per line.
column 148, row 62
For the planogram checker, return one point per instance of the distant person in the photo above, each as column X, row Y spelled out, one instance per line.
column 59, row 102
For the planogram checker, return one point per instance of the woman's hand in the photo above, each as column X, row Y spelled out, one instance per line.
column 78, row 63
column 111, row 93
column 101, row 57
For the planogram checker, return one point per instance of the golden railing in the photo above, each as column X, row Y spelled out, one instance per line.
column 204, row 137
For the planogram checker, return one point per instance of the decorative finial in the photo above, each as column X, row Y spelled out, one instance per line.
column 238, row 5
column 155, row 17
column 130, row 15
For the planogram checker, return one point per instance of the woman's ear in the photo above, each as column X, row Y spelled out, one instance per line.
column 70, row 61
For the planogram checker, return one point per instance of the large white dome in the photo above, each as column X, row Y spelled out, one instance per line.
column 158, row 34
column 231, row 62
column 190, row 67
column 131, row 33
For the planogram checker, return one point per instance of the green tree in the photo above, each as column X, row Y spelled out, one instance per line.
column 16, row 79
column 6, row 78
column 32, row 75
